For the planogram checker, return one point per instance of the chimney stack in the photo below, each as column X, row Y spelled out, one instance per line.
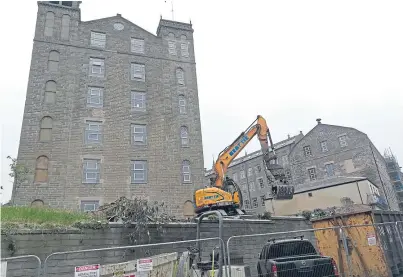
column 318, row 120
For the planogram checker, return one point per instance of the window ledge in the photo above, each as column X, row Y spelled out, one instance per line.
column 86, row 183
column 94, row 107
column 41, row 183
column 139, row 183
column 134, row 110
column 145, row 146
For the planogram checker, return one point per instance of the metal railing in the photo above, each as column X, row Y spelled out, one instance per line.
column 172, row 257
column 26, row 270
column 370, row 250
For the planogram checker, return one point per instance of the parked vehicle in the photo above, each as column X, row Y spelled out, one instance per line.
column 294, row 257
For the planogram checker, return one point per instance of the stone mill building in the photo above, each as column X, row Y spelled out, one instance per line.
column 111, row 110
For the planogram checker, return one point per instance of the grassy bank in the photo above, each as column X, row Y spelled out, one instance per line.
column 29, row 216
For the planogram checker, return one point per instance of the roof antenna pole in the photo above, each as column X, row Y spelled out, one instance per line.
column 172, row 10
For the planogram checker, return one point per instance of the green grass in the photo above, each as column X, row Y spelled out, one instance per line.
column 28, row 216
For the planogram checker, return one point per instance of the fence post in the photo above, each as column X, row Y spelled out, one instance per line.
column 345, row 245
column 398, row 234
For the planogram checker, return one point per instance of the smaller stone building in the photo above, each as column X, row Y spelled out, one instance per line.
column 330, row 151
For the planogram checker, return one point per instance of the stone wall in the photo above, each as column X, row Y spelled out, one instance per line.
column 65, row 148
column 43, row 243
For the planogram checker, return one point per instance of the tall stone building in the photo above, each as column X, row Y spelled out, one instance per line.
column 248, row 172
column 111, row 110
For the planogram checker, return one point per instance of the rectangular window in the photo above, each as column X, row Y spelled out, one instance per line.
column 343, row 141
column 138, row 172
column 247, row 204
column 244, row 188
column 98, row 39
column 262, row 200
column 93, row 132
column 137, row 45
column 323, row 146
column 138, row 72
column 172, row 48
column 95, row 97
column 252, row 186
column 186, row 173
column 182, row 105
column 254, row 202
column 184, row 136
column 250, row 171
column 312, row 174
column 235, row 177
column 91, row 171
column 138, row 100
column 288, row 174
column 97, row 67
column 261, row 182
column 329, row 170
column 180, row 76
column 274, row 161
column 139, row 134
column 307, row 151
column 242, row 174
column 184, row 49
column 89, row 205
column 284, row 160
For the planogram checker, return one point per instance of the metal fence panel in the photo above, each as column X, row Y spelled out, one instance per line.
column 164, row 259
column 374, row 249
column 302, row 242
column 28, row 266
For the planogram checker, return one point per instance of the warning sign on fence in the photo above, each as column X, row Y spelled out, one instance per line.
column 371, row 239
column 144, row 264
column 87, row 271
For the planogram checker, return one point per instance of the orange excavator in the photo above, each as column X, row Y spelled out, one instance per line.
column 224, row 194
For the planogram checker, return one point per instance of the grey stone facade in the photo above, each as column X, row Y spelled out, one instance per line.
column 116, row 98
column 324, row 154
column 248, row 172
column 348, row 152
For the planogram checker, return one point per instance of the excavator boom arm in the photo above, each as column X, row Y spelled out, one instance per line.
column 258, row 127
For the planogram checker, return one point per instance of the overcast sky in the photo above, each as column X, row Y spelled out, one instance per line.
column 290, row 61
